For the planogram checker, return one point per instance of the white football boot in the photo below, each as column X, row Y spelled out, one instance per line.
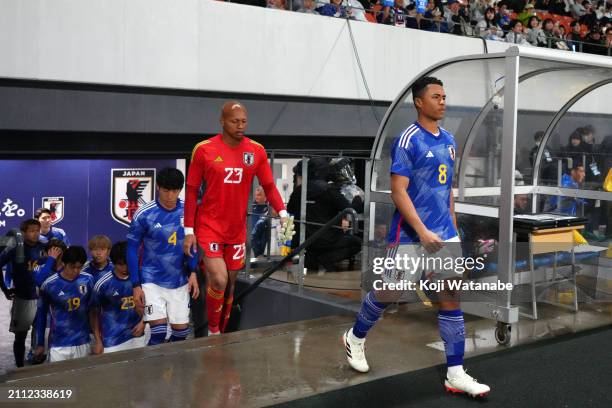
column 355, row 351
column 465, row 384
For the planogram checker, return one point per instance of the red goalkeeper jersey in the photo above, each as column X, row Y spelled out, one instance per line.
column 228, row 175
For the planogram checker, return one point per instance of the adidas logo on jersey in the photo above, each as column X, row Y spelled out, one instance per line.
column 218, row 159
column 429, row 154
column 115, row 293
column 61, row 293
column 158, row 225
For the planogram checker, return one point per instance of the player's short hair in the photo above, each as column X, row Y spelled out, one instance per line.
column 74, row 254
column 25, row 224
column 118, row 253
column 41, row 211
column 170, row 178
column 99, row 241
column 576, row 167
column 421, row 84
column 58, row 243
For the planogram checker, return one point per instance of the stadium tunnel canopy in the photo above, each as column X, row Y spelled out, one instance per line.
column 495, row 104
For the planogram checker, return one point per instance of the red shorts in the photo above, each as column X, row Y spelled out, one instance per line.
column 232, row 254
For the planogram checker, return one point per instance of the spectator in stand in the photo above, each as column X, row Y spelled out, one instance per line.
column 574, row 38
column 569, row 205
column 516, row 35
column 535, row 34
column 260, row 222
column 476, row 9
column 412, row 18
column 559, row 7
column 589, row 18
column 503, row 16
column 593, row 43
column 333, row 9
column 578, row 9
column 608, row 42
column 552, row 38
column 355, row 10
column 575, row 149
column 527, row 14
column 487, row 27
column 308, row 7
column 426, row 19
column 277, row 4
column 394, row 14
column 457, row 18
column 438, row 24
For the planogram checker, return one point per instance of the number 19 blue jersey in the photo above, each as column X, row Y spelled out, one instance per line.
column 69, row 303
column 427, row 160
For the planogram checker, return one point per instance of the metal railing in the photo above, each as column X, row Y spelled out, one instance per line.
column 279, row 155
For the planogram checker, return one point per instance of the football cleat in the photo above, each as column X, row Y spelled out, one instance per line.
column 355, row 351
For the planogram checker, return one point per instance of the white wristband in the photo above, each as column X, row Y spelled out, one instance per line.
column 188, row 231
column 283, row 214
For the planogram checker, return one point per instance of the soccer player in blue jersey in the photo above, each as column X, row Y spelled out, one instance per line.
column 23, row 294
column 166, row 276
column 48, row 231
column 423, row 226
column 99, row 247
column 120, row 324
column 51, row 262
column 67, row 296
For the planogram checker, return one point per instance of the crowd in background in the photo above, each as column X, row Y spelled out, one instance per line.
column 573, row 25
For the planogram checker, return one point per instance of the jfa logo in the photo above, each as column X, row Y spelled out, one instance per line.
column 130, row 190
column 56, row 206
column 248, row 158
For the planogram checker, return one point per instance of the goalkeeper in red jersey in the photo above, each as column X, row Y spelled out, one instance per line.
column 226, row 164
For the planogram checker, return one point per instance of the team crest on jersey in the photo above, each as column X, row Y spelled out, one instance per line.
column 248, row 158
column 451, row 150
column 130, row 190
column 82, row 289
column 148, row 309
column 56, row 206
column 214, row 247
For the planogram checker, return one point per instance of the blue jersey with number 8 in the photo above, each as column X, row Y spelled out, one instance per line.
column 427, row 160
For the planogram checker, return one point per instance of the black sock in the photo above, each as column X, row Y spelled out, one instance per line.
column 19, row 347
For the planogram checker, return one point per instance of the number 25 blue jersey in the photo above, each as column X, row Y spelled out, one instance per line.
column 427, row 160
column 115, row 298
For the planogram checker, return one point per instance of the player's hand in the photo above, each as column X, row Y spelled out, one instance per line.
column 98, row 347
column 9, row 294
column 193, row 287
column 55, row 252
column 190, row 245
column 431, row 241
column 138, row 329
column 139, row 297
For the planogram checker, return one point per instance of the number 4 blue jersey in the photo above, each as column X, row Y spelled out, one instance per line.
column 427, row 160
column 161, row 233
column 115, row 298
column 69, row 303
